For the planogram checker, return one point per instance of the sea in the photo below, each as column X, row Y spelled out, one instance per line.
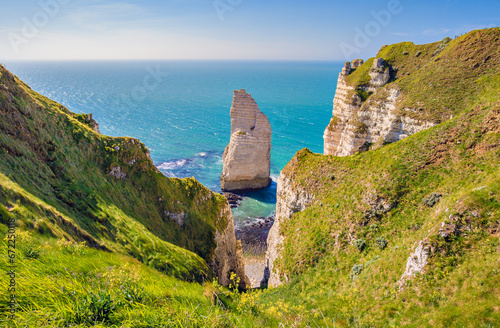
column 180, row 109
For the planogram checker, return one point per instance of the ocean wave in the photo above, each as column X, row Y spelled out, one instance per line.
column 274, row 177
column 171, row 165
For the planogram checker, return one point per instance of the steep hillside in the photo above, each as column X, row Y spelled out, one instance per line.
column 408, row 88
column 61, row 178
column 62, row 284
column 407, row 234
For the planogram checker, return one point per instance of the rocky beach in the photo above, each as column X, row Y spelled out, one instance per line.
column 253, row 238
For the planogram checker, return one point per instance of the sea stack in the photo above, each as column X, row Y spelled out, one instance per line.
column 247, row 158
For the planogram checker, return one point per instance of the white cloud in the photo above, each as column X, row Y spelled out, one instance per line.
column 126, row 44
column 103, row 17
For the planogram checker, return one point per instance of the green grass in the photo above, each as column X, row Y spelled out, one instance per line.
column 344, row 257
column 360, row 76
column 129, row 236
column 459, row 159
column 49, row 154
column 447, row 84
column 73, row 285
column 441, row 81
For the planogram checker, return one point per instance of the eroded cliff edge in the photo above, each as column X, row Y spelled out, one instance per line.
column 247, row 158
column 228, row 256
column 366, row 113
column 406, row 89
column 106, row 191
column 290, row 198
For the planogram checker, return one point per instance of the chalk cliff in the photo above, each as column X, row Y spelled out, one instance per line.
column 228, row 256
column 290, row 198
column 367, row 116
column 176, row 226
column 247, row 158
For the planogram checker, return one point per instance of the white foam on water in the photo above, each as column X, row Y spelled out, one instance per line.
column 172, row 164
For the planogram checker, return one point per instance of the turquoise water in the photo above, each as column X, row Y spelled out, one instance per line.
column 180, row 109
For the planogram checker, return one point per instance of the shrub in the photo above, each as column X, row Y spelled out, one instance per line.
column 440, row 47
column 374, row 228
column 363, row 94
column 381, row 242
column 432, row 199
column 93, row 308
column 72, row 248
column 31, row 252
column 132, row 293
column 235, row 282
column 356, row 270
column 360, row 244
column 361, row 127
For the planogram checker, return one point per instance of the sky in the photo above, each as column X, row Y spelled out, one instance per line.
column 314, row 30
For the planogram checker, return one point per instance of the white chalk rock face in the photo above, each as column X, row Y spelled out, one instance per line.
column 290, row 198
column 358, row 125
column 247, row 158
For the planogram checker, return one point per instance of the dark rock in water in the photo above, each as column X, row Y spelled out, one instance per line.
column 233, row 199
column 269, row 219
column 254, row 236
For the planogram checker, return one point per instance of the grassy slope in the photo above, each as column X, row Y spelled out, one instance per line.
column 32, row 213
column 459, row 159
column 440, row 81
column 73, row 285
column 87, row 243
column 53, row 156
column 54, row 184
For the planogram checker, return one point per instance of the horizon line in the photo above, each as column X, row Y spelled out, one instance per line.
column 171, row 59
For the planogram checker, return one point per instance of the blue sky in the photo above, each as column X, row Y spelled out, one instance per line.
column 229, row 29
